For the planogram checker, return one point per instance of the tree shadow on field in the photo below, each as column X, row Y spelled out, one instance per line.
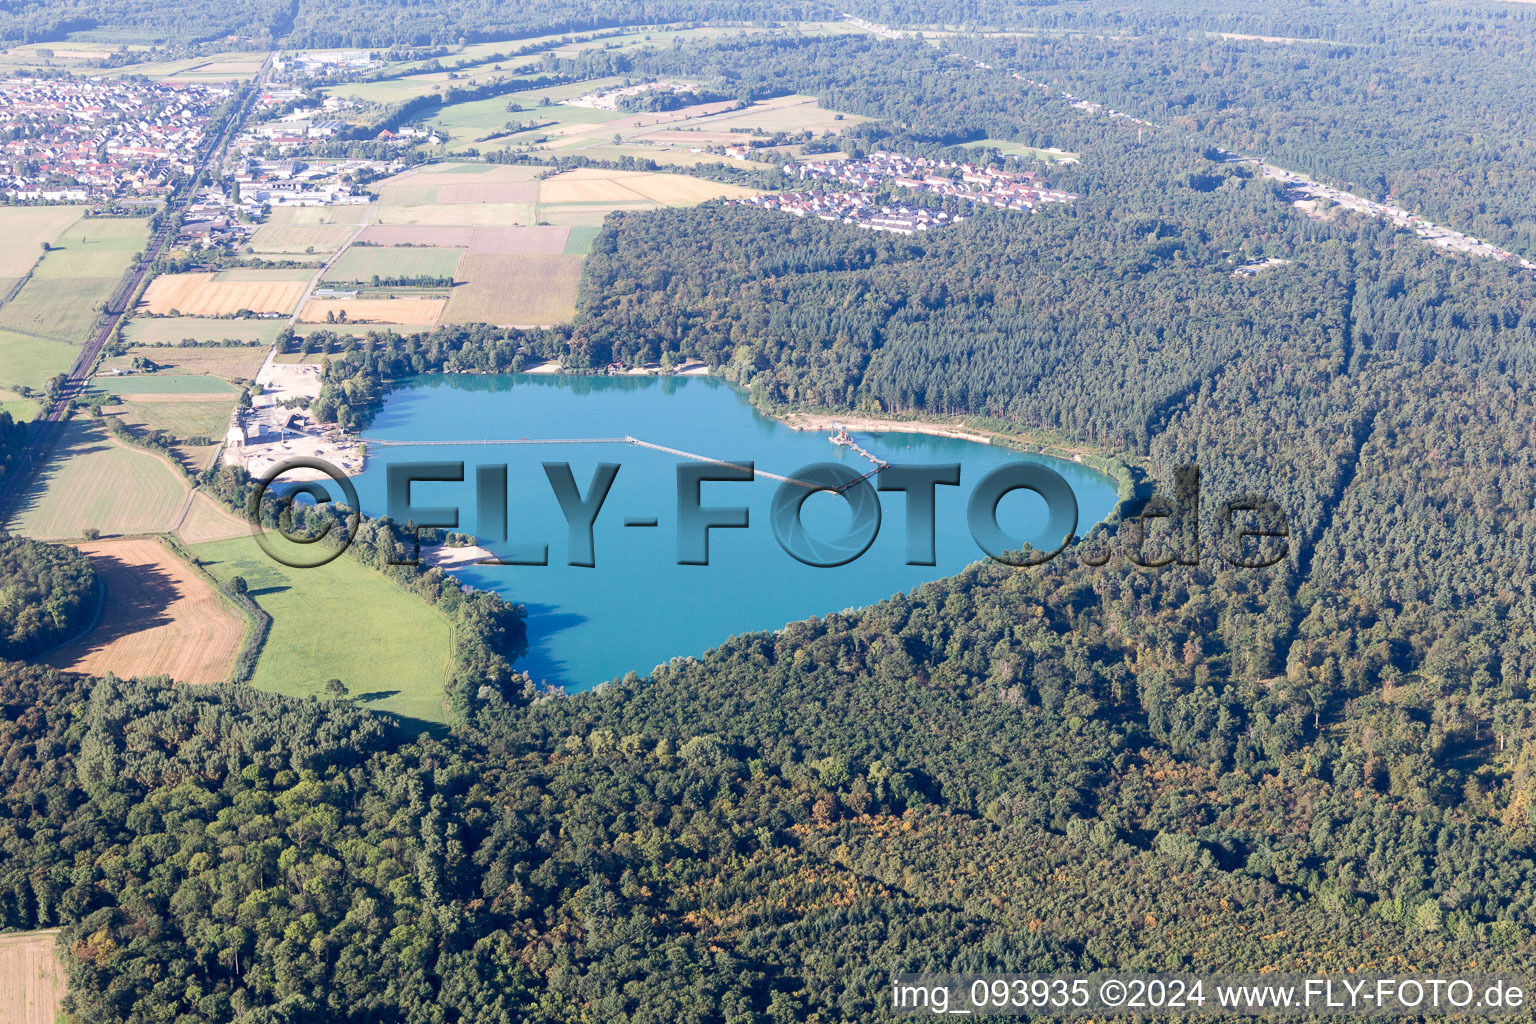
column 137, row 597
column 373, row 695
column 72, row 444
column 264, row 591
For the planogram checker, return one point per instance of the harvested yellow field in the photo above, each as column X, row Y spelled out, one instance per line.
column 412, row 312
column 161, row 617
column 515, row 291
column 31, row 978
column 596, row 185
column 202, row 295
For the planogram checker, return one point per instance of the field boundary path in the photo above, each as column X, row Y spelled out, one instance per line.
column 320, row 273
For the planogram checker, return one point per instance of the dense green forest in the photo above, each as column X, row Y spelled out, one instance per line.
column 47, row 594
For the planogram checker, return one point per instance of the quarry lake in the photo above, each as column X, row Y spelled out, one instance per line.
column 637, row 608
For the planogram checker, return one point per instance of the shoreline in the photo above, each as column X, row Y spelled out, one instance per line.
column 868, row 424
column 442, row 556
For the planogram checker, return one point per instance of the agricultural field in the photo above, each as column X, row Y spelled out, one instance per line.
column 27, row 360
column 454, row 236
column 476, row 223
column 422, row 312
column 25, row 229
column 73, row 55
column 468, row 124
column 64, row 309
column 92, row 480
column 172, row 330
column 342, row 621
column 80, row 272
column 178, row 384
column 292, row 231
column 206, row 520
column 515, row 290
column 231, row 362
column 679, row 137
column 212, row 68
column 579, row 240
column 179, row 418
column 226, row 292
column 160, row 617
column 595, row 185
column 471, row 214
column 792, row 113
column 31, row 978
column 364, row 263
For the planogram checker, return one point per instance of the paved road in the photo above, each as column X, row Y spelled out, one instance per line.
column 46, row 429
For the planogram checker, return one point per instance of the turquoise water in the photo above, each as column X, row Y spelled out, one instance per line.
column 637, row 607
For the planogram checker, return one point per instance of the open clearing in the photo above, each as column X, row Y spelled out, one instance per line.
column 91, row 480
column 783, row 114
column 467, row 124
column 504, row 240
column 207, row 295
column 407, row 312
column 515, row 290
column 31, row 978
column 160, row 618
column 341, row 621
column 452, row 175
column 364, row 263
column 1007, row 148
column 214, row 67
column 29, row 361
